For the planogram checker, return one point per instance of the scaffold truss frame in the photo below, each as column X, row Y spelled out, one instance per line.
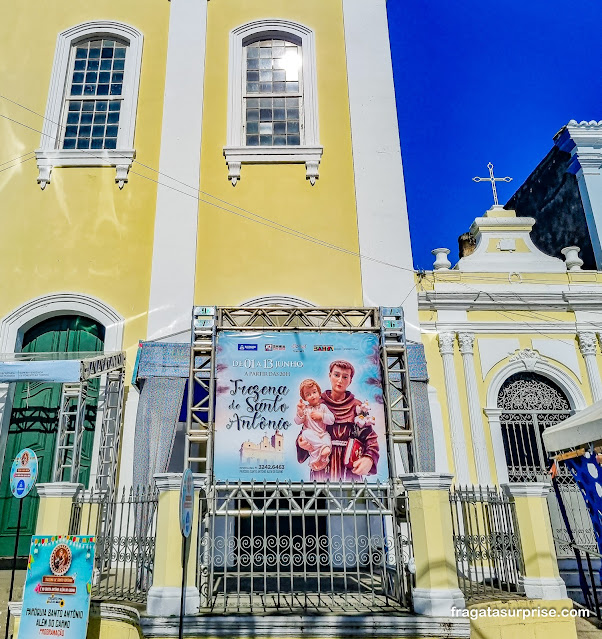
column 74, row 394
column 208, row 321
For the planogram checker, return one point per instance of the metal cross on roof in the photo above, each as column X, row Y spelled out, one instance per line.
column 493, row 180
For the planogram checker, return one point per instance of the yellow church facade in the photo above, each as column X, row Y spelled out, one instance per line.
column 160, row 157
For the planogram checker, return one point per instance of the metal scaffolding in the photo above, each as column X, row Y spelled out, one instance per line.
column 79, row 370
column 250, row 556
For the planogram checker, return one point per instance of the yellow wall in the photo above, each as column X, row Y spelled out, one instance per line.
column 523, row 620
column 239, row 259
column 81, row 234
column 512, row 318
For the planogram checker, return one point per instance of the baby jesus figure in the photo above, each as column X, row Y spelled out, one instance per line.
column 314, row 416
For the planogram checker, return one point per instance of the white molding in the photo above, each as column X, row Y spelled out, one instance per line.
column 527, row 489
column 310, row 626
column 310, row 151
column 541, row 366
column 438, row 602
column 503, row 328
column 14, row 325
column 277, row 300
column 551, row 588
column 48, row 155
column 427, row 481
column 168, row 481
column 164, row 601
column 479, row 297
column 382, row 218
column 59, row 489
column 236, row 156
column 120, row 159
column 175, row 235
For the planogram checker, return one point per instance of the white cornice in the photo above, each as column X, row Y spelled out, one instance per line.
column 518, row 326
column 516, row 299
column 534, row 489
column 426, row 481
column 59, row 489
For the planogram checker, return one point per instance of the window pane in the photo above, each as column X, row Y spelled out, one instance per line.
column 277, row 119
column 90, row 126
column 95, row 55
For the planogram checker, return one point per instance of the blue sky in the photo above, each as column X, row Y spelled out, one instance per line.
column 480, row 82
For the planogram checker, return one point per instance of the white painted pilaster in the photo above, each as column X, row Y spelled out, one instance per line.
column 497, row 441
column 583, row 140
column 446, row 348
column 379, row 186
column 174, row 250
column 479, row 446
column 588, row 344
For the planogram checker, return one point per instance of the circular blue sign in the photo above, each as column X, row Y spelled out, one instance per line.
column 23, row 473
column 186, row 502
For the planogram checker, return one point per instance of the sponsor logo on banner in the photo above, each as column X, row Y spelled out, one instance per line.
column 275, row 347
column 322, row 347
column 247, row 347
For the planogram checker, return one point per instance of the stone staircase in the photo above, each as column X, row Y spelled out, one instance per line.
column 570, row 575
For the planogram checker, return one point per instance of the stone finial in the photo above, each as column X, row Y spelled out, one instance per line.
column 572, row 260
column 441, row 262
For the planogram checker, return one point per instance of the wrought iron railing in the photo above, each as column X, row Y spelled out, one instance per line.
column 486, row 541
column 125, row 528
column 303, row 546
column 589, row 569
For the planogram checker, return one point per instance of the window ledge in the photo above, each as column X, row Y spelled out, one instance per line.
column 121, row 159
column 236, row 156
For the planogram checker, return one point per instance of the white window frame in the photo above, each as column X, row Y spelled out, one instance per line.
column 50, row 154
column 310, row 151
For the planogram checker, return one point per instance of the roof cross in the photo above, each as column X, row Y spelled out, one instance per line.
column 493, row 180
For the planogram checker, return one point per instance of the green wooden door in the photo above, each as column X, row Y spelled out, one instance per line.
column 34, row 420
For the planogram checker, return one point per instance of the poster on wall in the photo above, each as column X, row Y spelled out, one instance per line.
column 56, row 597
column 299, row 406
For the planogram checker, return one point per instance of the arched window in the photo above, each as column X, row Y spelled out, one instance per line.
column 273, row 93
column 94, row 94
column 530, row 403
column 91, row 109
column 272, row 106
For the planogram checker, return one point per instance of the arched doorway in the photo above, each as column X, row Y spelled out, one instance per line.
column 34, row 419
column 531, row 403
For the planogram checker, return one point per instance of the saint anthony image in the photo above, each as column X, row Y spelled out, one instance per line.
column 344, row 406
column 60, row 560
